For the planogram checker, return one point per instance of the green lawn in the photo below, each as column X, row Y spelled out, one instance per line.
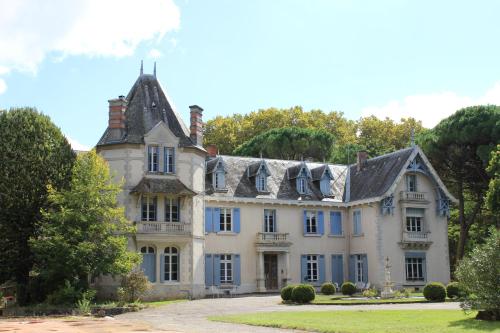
column 160, row 303
column 378, row 321
column 340, row 300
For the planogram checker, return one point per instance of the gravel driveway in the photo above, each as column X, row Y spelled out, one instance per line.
column 192, row 316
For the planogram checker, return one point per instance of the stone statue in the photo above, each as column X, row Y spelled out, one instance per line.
column 387, row 292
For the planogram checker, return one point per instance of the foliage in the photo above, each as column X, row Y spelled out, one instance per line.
column 133, row 286
column 328, row 288
column 34, row 153
column 459, row 148
column 348, row 288
column 493, row 194
column 65, row 295
column 286, row 292
column 303, row 293
column 84, row 232
column 83, row 305
column 435, row 291
column 403, row 293
column 453, row 290
column 292, row 143
column 479, row 273
column 370, row 293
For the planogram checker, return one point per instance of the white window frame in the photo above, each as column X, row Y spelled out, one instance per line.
column 414, row 268
column 261, row 182
column 411, row 183
column 414, row 220
column 358, row 268
column 147, row 249
column 153, row 158
column 151, row 203
column 171, row 268
column 302, row 185
column 219, row 179
column 170, row 203
column 312, row 268
column 169, row 159
column 311, row 222
column 226, row 269
column 270, row 220
column 226, row 220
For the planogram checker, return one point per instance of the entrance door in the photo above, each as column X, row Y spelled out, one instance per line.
column 271, row 271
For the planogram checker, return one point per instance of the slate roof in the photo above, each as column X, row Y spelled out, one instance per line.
column 147, row 106
column 377, row 175
column 162, row 185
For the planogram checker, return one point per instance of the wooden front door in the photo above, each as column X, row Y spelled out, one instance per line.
column 271, row 271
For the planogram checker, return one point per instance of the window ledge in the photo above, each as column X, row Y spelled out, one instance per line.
column 226, row 233
column 313, row 235
column 220, row 190
column 336, row 236
column 414, row 283
column 170, row 283
column 358, row 235
column 263, row 192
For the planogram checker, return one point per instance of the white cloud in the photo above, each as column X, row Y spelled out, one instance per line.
column 77, row 145
column 30, row 29
column 154, row 53
column 3, row 86
column 431, row 108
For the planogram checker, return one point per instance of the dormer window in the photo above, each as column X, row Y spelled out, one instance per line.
column 153, row 158
column 302, row 184
column 261, row 182
column 324, row 185
column 169, row 160
column 219, row 178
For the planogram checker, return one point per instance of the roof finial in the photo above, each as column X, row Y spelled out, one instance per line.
column 260, row 153
column 412, row 137
column 154, row 70
column 142, row 68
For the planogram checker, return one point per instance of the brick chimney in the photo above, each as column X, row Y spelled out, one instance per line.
column 196, row 127
column 116, row 123
column 212, row 151
column 362, row 157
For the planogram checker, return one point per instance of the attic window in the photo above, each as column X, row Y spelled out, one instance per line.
column 219, row 178
column 302, row 185
column 324, row 185
column 261, row 181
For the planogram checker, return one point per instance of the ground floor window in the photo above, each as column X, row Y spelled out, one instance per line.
column 414, row 269
column 171, row 264
column 312, row 268
column 226, row 268
column 359, row 268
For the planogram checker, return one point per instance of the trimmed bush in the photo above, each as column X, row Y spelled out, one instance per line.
column 286, row 293
column 435, row 291
column 303, row 293
column 328, row 288
column 453, row 290
column 348, row 288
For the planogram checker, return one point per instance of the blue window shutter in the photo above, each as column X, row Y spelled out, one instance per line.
column 305, row 222
column 173, row 160
column 217, row 269
column 157, row 158
column 162, row 267
column 321, row 269
column 148, row 266
column 209, row 270
column 337, row 269
column 336, row 221
column 237, row 270
column 165, row 160
column 236, row 220
column 365, row 268
column 149, row 158
column 332, row 223
column 352, row 263
column 303, row 268
column 179, row 209
column 216, row 219
column 208, row 219
column 321, row 223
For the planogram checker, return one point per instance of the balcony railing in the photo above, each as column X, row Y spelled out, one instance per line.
column 272, row 237
column 174, row 228
column 415, row 236
column 413, row 196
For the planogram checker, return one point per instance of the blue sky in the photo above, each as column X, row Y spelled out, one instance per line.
column 389, row 58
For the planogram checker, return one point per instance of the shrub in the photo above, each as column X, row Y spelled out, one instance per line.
column 453, row 290
column 303, row 293
column 133, row 286
column 477, row 275
column 83, row 304
column 286, row 293
column 348, row 288
column 370, row 293
column 328, row 288
column 67, row 294
column 435, row 291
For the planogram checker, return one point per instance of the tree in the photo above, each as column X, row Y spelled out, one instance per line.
column 84, row 233
column 458, row 148
column 289, row 143
column 493, row 194
column 478, row 275
column 34, row 153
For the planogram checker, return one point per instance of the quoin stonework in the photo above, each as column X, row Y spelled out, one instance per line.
column 212, row 224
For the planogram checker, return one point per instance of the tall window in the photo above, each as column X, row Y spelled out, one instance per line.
column 312, row 268
column 302, row 185
column 414, row 269
column 148, row 208
column 311, row 222
column 359, row 268
column 411, row 183
column 169, row 160
column 324, row 185
column 414, row 219
column 153, row 158
column 172, row 207
column 261, row 182
column 219, row 178
column 356, row 222
column 225, row 219
column 226, row 268
column 147, row 249
column 171, row 264
column 269, row 220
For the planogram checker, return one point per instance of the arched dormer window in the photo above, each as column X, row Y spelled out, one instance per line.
column 302, row 182
column 324, row 185
column 261, row 182
column 219, row 177
column 258, row 172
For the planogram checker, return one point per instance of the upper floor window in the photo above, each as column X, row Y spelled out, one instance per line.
column 147, row 249
column 356, row 222
column 312, row 268
column 411, row 183
column 269, row 220
column 414, row 268
column 302, row 185
column 358, row 268
column 324, row 185
column 225, row 219
column 153, row 158
column 171, row 264
column 219, row 176
column 148, row 208
column 169, row 159
column 172, row 207
column 311, row 222
column 261, row 182
column 414, row 219
column 226, row 268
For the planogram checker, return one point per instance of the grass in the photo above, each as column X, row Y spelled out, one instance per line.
column 155, row 304
column 341, row 300
column 379, row 321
